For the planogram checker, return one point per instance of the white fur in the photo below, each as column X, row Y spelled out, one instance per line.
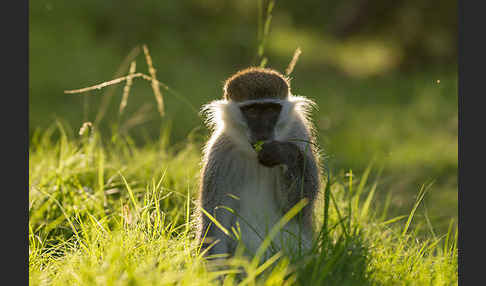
column 224, row 116
column 258, row 207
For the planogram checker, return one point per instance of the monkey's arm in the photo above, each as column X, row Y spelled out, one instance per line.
column 214, row 189
column 301, row 177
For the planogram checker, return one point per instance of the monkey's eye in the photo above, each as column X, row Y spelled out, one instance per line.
column 274, row 109
column 256, row 113
column 261, row 110
column 251, row 111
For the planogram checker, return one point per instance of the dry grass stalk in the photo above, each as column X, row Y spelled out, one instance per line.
column 128, row 85
column 85, row 127
column 111, row 91
column 294, row 60
column 155, row 83
column 108, row 83
column 115, row 81
column 129, row 79
column 126, row 216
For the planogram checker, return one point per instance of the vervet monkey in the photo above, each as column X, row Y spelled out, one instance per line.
column 259, row 162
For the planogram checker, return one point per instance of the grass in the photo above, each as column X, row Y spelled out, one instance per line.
column 109, row 212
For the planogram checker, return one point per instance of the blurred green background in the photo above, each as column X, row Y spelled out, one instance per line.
column 383, row 74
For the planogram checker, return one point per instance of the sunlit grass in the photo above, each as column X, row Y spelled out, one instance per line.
column 106, row 212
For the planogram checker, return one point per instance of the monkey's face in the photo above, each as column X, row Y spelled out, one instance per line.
column 261, row 119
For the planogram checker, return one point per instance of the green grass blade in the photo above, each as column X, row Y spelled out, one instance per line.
column 420, row 197
column 216, row 222
column 130, row 193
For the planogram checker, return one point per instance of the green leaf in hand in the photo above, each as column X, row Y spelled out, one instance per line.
column 258, row 146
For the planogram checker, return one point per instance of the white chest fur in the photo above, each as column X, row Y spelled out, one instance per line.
column 259, row 209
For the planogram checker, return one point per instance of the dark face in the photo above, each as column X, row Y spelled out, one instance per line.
column 261, row 119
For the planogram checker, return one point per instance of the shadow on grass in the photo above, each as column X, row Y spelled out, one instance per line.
column 341, row 261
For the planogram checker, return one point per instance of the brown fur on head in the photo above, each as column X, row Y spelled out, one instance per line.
column 256, row 83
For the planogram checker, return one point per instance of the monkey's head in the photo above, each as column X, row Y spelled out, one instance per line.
column 258, row 105
column 256, row 83
column 258, row 93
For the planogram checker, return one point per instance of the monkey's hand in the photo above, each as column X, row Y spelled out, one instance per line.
column 275, row 153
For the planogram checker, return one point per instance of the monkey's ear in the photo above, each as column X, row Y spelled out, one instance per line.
column 256, row 83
